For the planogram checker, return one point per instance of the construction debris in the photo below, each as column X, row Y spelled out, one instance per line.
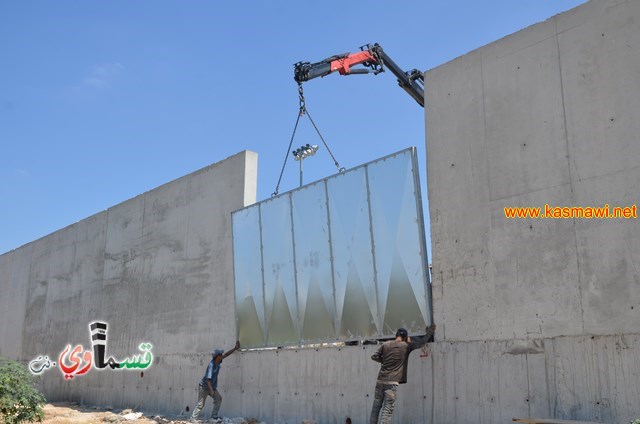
column 132, row 416
column 71, row 412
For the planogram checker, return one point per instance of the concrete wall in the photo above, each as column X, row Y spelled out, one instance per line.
column 534, row 316
column 580, row 377
column 548, row 115
column 157, row 268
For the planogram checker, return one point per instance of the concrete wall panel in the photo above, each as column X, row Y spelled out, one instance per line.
column 600, row 64
column 609, row 254
column 122, row 274
column 544, row 116
column 600, row 69
column 259, row 394
column 37, row 332
column 536, row 277
column 597, row 378
column 163, row 241
column 461, row 165
column 89, row 264
column 524, row 120
column 14, row 284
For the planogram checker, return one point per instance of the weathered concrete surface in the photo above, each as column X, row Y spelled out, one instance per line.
column 578, row 377
column 535, row 316
column 157, row 268
column 545, row 116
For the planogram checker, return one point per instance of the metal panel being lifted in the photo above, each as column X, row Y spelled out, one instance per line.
column 340, row 259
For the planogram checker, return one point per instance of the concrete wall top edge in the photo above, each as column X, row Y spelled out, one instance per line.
column 62, row 229
column 517, row 34
column 243, row 153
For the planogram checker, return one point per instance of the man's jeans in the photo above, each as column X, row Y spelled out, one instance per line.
column 203, row 392
column 385, row 399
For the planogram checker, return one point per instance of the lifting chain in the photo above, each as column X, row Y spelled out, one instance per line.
column 303, row 111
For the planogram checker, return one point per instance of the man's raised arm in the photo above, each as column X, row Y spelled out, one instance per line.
column 236, row 347
column 420, row 341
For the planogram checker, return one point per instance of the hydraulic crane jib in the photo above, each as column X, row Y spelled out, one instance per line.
column 374, row 60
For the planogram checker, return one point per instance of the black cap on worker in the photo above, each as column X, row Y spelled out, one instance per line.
column 402, row 333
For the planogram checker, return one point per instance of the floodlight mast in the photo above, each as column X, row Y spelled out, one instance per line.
column 374, row 60
column 301, row 153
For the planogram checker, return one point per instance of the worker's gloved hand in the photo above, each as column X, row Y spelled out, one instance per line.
column 430, row 330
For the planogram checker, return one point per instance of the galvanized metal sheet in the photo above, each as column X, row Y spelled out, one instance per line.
column 340, row 259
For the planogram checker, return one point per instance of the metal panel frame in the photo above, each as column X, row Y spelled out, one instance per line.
column 326, row 200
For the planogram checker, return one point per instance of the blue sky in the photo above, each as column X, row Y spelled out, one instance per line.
column 101, row 101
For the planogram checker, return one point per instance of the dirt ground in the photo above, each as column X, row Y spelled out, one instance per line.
column 71, row 413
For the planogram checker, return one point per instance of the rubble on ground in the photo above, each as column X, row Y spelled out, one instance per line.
column 71, row 412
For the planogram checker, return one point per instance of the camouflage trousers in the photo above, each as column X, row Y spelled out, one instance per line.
column 383, row 403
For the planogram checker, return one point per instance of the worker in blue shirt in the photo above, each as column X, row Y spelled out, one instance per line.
column 209, row 384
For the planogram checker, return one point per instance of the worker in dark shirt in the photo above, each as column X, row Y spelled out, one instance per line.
column 209, row 384
column 393, row 356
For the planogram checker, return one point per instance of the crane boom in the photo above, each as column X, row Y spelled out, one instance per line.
column 374, row 59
